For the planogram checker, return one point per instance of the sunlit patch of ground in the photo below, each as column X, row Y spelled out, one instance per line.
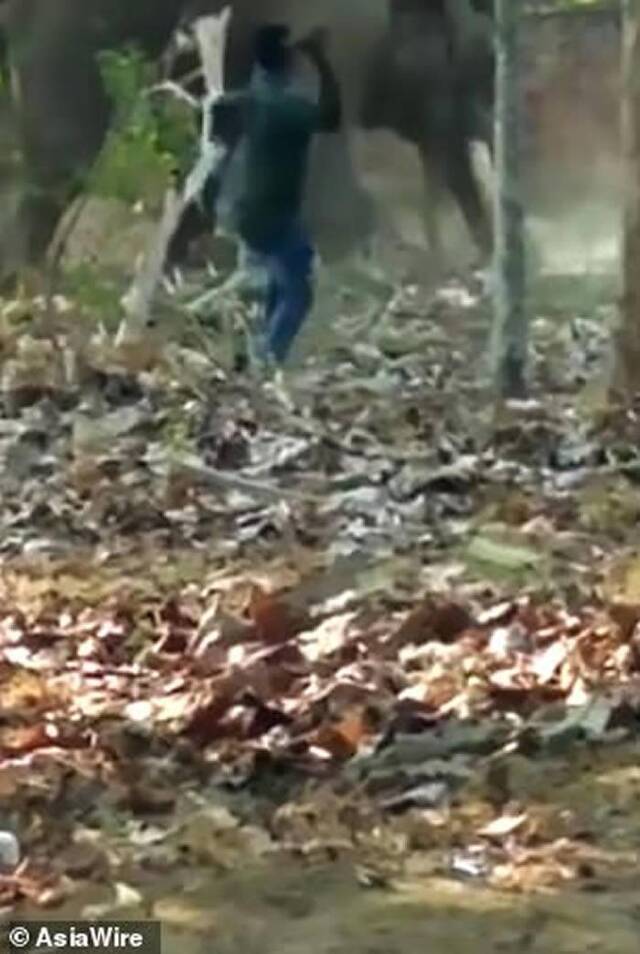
column 325, row 906
column 581, row 244
column 286, row 911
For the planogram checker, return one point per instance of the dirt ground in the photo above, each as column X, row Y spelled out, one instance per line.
column 326, row 906
column 416, row 891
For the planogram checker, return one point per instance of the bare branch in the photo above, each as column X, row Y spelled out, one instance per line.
column 211, row 35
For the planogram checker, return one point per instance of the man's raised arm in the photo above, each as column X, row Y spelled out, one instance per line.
column 330, row 100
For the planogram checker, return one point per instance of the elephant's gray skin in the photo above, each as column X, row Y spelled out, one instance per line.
column 63, row 111
column 417, row 68
column 440, row 102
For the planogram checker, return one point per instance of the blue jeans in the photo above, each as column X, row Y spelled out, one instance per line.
column 287, row 258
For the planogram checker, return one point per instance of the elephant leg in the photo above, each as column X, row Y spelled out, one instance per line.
column 463, row 185
column 433, row 184
column 483, row 128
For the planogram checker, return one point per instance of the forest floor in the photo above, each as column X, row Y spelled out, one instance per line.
column 349, row 662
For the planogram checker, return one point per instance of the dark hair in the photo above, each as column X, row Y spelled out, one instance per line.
column 271, row 49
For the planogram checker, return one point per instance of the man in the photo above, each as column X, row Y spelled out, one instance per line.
column 267, row 130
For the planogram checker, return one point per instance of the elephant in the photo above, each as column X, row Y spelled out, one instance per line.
column 424, row 50
column 63, row 111
column 424, row 71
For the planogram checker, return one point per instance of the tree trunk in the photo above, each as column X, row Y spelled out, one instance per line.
column 625, row 378
column 510, row 325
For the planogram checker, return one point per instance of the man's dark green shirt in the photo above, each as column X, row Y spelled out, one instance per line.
column 262, row 188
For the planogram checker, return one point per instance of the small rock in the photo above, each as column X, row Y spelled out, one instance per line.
column 9, row 851
column 429, row 795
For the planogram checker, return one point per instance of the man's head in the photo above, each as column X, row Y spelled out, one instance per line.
column 271, row 48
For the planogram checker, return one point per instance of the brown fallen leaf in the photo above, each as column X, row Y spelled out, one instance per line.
column 354, row 727
column 26, row 691
column 26, row 738
column 274, row 620
column 345, row 735
column 433, row 619
column 626, row 617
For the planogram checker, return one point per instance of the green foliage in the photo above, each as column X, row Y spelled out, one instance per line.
column 152, row 137
column 176, row 133
column 176, row 431
column 565, row 5
column 94, row 291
